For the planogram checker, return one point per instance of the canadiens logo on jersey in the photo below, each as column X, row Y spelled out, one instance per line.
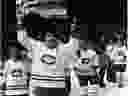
column 48, row 59
column 48, row 56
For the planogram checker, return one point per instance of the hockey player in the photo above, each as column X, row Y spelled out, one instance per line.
column 118, row 55
column 84, row 68
column 15, row 73
column 48, row 76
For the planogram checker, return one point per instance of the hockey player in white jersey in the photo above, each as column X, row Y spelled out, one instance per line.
column 15, row 74
column 84, row 68
column 118, row 54
column 48, row 76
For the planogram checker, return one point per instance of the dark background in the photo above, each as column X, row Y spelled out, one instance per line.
column 8, row 25
column 99, row 15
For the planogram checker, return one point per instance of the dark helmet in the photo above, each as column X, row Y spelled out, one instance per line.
column 37, row 26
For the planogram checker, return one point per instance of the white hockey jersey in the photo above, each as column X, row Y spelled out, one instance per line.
column 117, row 54
column 48, row 64
column 16, row 78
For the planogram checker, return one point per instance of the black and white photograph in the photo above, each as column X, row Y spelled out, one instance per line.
column 63, row 48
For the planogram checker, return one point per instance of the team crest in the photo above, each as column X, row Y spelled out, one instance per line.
column 48, row 59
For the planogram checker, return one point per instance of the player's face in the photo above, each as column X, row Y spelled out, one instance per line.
column 51, row 41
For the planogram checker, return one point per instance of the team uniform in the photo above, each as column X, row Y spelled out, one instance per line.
column 70, row 59
column 83, row 68
column 48, row 75
column 84, row 71
column 119, row 57
column 15, row 78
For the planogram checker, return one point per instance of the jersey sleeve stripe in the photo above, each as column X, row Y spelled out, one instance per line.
column 48, row 76
column 49, row 79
